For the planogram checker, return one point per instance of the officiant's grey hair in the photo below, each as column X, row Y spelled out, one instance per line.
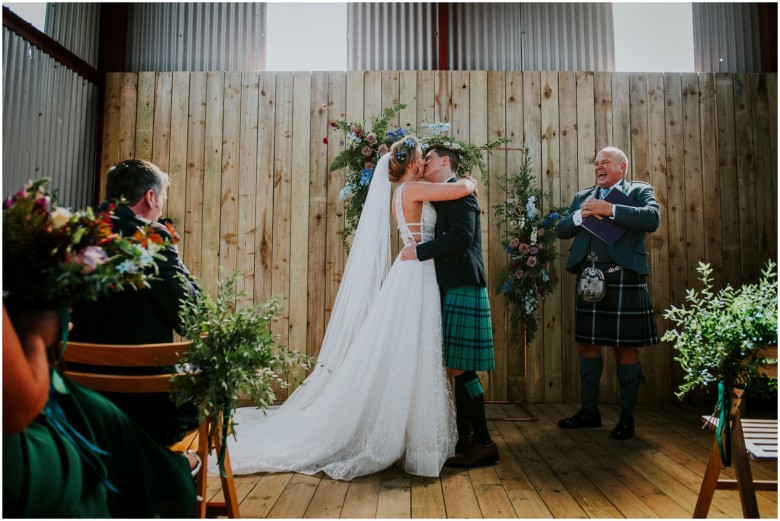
column 132, row 178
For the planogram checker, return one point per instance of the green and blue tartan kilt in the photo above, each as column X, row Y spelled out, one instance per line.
column 623, row 318
column 467, row 329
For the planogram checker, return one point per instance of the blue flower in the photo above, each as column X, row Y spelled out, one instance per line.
column 507, row 287
column 555, row 216
column 530, row 207
column 127, row 266
column 344, row 192
column 510, row 250
column 547, row 224
column 397, row 134
column 365, row 176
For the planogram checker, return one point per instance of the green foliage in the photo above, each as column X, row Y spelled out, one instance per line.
column 528, row 235
column 233, row 354
column 364, row 147
column 717, row 334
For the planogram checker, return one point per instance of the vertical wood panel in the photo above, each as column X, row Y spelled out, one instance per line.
column 727, row 162
column 335, row 256
column 248, row 200
column 212, row 181
column 318, row 211
column 264, row 185
column 390, row 97
column 161, row 134
column 283, row 164
column 657, row 387
column 567, row 115
column 515, row 356
column 496, row 93
column 250, row 187
column 178, row 161
column 228, row 208
column 144, row 120
column 532, row 129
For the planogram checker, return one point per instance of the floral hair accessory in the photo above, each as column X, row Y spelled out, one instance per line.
column 406, row 149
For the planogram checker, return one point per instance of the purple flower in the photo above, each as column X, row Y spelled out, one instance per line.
column 90, row 258
column 534, row 250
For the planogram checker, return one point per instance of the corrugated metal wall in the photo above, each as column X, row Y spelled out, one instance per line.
column 77, row 27
column 391, row 36
column 196, row 37
column 726, row 37
column 49, row 123
column 482, row 36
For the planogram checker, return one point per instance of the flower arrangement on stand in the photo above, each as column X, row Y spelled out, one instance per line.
column 54, row 257
column 365, row 147
column 530, row 242
column 233, row 354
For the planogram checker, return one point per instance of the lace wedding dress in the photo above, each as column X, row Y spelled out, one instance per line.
column 379, row 394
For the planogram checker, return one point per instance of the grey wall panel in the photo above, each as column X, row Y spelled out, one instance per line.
column 196, row 37
column 49, row 123
column 726, row 37
column 391, row 36
column 77, row 27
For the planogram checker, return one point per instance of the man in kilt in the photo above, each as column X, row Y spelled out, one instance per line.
column 466, row 324
column 624, row 317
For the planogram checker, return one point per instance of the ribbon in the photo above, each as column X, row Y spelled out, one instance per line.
column 722, row 410
column 223, row 445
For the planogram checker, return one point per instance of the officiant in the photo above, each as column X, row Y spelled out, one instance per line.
column 609, row 222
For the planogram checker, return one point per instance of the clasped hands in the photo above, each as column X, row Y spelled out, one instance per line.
column 597, row 208
column 409, row 252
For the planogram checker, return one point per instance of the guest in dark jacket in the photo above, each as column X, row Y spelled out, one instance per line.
column 145, row 316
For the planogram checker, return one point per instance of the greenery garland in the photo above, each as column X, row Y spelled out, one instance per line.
column 528, row 235
column 364, row 146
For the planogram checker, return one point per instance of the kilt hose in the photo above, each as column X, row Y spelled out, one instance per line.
column 623, row 318
column 467, row 329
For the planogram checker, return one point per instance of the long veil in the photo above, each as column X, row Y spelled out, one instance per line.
column 366, row 268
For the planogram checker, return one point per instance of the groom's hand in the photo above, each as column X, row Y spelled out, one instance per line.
column 409, row 252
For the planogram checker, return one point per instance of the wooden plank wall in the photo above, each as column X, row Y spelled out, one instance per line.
column 251, row 190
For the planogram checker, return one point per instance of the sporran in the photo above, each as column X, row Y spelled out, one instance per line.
column 590, row 285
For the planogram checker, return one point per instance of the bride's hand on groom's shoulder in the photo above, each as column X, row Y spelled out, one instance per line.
column 409, row 252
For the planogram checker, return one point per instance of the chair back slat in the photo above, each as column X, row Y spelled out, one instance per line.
column 125, row 355
column 157, row 383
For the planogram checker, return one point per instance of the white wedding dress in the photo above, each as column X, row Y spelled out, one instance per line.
column 379, row 393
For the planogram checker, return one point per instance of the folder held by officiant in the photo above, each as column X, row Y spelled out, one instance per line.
column 606, row 229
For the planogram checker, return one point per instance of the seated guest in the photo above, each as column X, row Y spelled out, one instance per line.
column 117, row 470
column 147, row 316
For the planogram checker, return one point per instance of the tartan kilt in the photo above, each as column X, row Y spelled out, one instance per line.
column 623, row 318
column 467, row 329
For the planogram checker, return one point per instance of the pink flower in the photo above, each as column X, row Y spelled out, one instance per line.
column 514, row 243
column 367, row 151
column 371, row 138
column 531, row 261
column 524, row 249
column 540, row 232
column 519, row 274
column 90, row 258
column 534, row 250
column 383, row 149
column 369, row 165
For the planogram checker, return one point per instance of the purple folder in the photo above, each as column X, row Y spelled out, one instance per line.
column 606, row 229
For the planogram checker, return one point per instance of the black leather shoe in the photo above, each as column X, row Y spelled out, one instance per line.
column 475, row 456
column 624, row 428
column 583, row 418
column 464, row 442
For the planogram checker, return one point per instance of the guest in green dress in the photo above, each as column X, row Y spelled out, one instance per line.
column 77, row 455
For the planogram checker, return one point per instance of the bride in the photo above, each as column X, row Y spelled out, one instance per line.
column 379, row 394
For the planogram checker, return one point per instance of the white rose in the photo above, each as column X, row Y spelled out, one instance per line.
column 60, row 217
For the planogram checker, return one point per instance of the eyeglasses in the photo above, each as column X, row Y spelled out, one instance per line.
column 602, row 163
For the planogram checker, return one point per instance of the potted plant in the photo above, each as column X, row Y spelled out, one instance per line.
column 717, row 335
column 233, row 355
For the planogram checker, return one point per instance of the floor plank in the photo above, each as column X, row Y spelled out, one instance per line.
column 543, row 472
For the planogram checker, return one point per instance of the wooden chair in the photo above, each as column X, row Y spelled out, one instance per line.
column 750, row 439
column 152, row 355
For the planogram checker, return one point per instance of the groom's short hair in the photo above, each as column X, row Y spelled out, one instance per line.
column 442, row 151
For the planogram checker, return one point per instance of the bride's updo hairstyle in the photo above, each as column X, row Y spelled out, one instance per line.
column 402, row 154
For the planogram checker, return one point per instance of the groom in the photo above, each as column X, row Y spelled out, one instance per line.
column 466, row 326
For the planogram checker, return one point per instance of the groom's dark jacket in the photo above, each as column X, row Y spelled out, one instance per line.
column 457, row 248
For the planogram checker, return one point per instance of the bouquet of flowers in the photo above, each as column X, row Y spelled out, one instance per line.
column 365, row 147
column 53, row 257
column 530, row 242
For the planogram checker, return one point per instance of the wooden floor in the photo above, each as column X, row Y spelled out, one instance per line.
column 543, row 472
